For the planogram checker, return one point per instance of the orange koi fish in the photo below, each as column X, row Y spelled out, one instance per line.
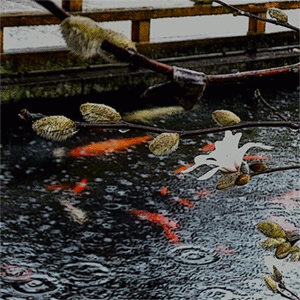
column 182, row 168
column 55, row 187
column 80, row 186
column 107, row 147
column 256, row 157
column 286, row 225
column 209, row 147
column 167, row 224
column 185, row 202
column 164, row 190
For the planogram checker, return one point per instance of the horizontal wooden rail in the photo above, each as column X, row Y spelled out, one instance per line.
column 141, row 17
column 139, row 14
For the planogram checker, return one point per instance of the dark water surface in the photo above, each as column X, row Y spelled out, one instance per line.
column 46, row 255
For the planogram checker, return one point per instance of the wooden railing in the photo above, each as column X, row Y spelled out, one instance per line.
column 140, row 17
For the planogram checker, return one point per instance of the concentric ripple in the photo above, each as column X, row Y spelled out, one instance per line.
column 87, row 273
column 194, row 255
column 38, row 285
column 215, row 292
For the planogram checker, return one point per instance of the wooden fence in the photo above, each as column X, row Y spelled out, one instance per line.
column 141, row 17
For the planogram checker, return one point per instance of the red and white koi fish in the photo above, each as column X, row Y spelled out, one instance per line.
column 167, row 224
column 15, row 273
column 108, row 147
column 256, row 157
column 203, row 193
column 286, row 225
column 287, row 199
column 224, row 250
column 77, row 189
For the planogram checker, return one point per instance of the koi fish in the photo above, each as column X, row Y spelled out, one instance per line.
column 224, row 250
column 286, row 225
column 202, row 194
column 167, row 224
column 256, row 157
column 185, row 202
column 287, row 199
column 164, row 190
column 107, row 147
column 182, row 168
column 15, row 273
column 208, row 148
column 55, row 187
column 80, row 186
column 76, row 214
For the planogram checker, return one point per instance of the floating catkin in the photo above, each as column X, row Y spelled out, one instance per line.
column 271, row 229
column 85, row 37
column 225, row 117
column 271, row 284
column 98, row 113
column 56, row 128
column 164, row 144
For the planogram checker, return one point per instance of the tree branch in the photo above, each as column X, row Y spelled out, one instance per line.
column 249, row 15
column 276, row 170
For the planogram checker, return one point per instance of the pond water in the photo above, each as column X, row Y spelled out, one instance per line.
column 118, row 255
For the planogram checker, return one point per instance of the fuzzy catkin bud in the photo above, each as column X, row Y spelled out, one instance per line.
column 271, row 284
column 99, row 113
column 271, row 229
column 225, row 117
column 278, row 14
column 56, row 128
column 272, row 243
column 283, row 250
column 164, row 144
column 277, row 276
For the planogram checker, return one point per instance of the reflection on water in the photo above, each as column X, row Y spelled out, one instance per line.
column 115, row 255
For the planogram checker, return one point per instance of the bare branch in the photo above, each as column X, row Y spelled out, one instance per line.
column 239, row 12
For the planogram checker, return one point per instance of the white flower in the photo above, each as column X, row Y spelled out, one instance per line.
column 227, row 157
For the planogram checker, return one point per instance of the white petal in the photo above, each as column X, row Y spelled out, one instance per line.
column 247, row 146
column 209, row 173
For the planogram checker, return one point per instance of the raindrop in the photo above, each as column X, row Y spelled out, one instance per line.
column 40, row 284
column 194, row 255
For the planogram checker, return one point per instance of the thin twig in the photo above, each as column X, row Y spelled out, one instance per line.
column 284, row 295
column 249, row 15
column 282, row 286
column 259, row 97
column 182, row 133
column 277, row 169
column 26, row 115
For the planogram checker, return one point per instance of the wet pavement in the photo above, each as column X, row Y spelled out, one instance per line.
column 116, row 255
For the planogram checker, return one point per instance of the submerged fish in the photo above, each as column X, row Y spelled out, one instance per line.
column 167, row 224
column 164, row 190
column 146, row 115
column 106, row 147
column 256, row 157
column 182, row 168
column 208, row 148
column 80, row 186
column 76, row 214
column 15, row 273
column 185, row 202
column 55, row 187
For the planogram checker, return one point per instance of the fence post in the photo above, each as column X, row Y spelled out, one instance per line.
column 140, row 31
column 257, row 26
column 1, row 39
column 72, row 5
